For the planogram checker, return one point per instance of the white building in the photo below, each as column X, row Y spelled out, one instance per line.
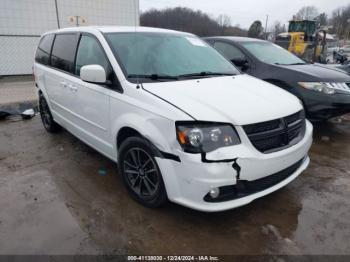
column 23, row 21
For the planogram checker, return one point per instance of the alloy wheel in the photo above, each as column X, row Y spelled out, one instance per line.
column 141, row 172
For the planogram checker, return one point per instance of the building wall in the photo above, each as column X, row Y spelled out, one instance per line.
column 23, row 21
column 17, row 55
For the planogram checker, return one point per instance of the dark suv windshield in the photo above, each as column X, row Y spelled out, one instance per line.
column 272, row 54
column 167, row 57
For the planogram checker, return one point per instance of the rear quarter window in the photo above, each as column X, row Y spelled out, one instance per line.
column 63, row 52
column 43, row 51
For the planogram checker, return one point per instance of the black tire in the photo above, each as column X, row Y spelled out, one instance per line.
column 46, row 117
column 140, row 172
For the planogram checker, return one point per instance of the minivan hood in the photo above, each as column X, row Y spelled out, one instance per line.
column 240, row 99
column 315, row 72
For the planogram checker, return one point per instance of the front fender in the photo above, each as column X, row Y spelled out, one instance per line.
column 159, row 131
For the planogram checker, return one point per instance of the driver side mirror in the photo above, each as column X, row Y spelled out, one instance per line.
column 93, row 74
column 243, row 64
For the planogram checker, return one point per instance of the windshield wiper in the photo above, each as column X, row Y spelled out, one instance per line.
column 154, row 77
column 291, row 64
column 205, row 74
column 298, row 64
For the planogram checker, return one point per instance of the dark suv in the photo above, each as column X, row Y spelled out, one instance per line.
column 324, row 92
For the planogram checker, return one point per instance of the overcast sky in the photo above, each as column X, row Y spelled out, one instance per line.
column 244, row 12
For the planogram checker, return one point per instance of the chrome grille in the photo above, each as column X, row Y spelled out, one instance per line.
column 278, row 134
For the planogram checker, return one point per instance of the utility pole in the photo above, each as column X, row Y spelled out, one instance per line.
column 58, row 19
column 267, row 19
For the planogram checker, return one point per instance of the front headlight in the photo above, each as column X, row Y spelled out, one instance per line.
column 198, row 137
column 325, row 88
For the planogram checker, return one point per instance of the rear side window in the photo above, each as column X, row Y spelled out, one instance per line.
column 42, row 54
column 63, row 52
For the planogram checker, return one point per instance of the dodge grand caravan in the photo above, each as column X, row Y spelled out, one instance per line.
column 180, row 120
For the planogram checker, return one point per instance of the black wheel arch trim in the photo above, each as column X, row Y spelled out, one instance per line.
column 170, row 156
column 161, row 154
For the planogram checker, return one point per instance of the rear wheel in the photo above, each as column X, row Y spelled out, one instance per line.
column 46, row 116
column 141, row 173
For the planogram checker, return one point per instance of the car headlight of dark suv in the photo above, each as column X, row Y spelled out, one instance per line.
column 326, row 88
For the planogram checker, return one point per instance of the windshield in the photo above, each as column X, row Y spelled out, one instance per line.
column 308, row 27
column 167, row 56
column 272, row 54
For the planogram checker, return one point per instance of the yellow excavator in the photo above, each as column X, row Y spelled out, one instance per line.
column 304, row 40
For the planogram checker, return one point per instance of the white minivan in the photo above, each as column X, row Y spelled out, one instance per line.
column 181, row 121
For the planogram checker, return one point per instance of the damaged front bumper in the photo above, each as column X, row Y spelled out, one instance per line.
column 241, row 173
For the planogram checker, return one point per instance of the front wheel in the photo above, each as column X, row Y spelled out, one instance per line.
column 141, row 173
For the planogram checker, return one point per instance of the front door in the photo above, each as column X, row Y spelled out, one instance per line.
column 233, row 53
column 91, row 102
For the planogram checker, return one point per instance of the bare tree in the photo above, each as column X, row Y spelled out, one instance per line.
column 340, row 22
column 188, row 20
column 307, row 13
column 224, row 22
column 322, row 19
column 278, row 28
column 182, row 19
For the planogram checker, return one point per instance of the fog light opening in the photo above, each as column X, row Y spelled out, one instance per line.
column 214, row 192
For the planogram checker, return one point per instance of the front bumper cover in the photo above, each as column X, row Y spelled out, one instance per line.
column 245, row 188
column 189, row 181
column 322, row 107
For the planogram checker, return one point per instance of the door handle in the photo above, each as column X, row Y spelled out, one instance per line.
column 63, row 84
column 72, row 88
